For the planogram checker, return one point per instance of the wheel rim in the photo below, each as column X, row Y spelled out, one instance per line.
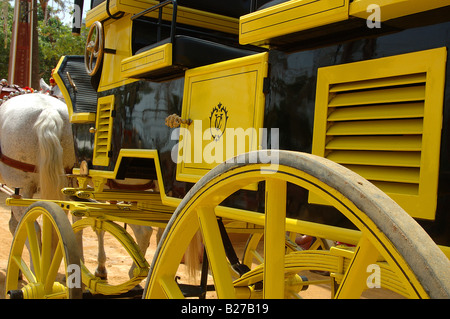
column 386, row 229
column 53, row 247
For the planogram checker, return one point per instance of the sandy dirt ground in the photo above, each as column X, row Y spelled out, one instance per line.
column 118, row 263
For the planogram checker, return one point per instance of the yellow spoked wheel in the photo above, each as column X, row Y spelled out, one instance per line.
column 99, row 286
column 387, row 235
column 51, row 270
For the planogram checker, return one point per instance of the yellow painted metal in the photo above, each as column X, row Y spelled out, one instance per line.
column 118, row 34
column 390, row 9
column 354, row 280
column 170, row 288
column 168, row 264
column 133, row 153
column 215, row 190
column 231, row 91
column 394, row 106
column 95, row 284
column 67, row 205
column 274, row 238
column 186, row 15
column 336, row 261
column 381, row 127
column 446, row 250
column 375, row 83
column 82, row 117
column 387, row 174
column 376, row 143
column 378, row 111
column 62, row 87
column 37, row 291
column 376, row 158
column 389, row 95
column 349, row 236
column 289, row 17
column 149, row 211
column 103, row 133
column 251, row 252
column 140, row 64
column 216, row 252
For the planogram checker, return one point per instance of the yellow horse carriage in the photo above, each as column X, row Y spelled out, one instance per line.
column 268, row 118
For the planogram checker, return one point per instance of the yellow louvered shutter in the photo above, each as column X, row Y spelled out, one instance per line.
column 103, row 132
column 382, row 119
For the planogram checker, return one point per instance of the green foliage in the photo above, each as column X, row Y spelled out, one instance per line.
column 55, row 40
column 6, row 18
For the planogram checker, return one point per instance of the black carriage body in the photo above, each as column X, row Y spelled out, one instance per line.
column 141, row 108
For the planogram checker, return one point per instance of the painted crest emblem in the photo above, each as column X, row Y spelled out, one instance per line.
column 218, row 121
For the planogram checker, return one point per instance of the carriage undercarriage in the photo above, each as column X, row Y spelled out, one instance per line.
column 347, row 265
column 379, row 244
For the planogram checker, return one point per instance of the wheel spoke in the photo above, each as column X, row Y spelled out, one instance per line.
column 170, row 288
column 354, row 281
column 274, row 238
column 26, row 271
column 251, row 251
column 216, row 252
column 47, row 236
column 53, row 269
column 34, row 248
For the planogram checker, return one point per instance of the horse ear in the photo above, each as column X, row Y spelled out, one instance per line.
column 44, row 86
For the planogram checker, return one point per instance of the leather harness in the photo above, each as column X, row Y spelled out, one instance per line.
column 25, row 167
column 30, row 168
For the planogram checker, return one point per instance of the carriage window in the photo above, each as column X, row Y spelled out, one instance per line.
column 384, row 123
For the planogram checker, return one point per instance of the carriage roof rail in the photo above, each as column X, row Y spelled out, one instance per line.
column 160, row 6
column 153, row 8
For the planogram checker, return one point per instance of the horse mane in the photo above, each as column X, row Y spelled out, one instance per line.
column 48, row 128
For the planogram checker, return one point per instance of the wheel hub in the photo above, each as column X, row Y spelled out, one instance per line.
column 37, row 291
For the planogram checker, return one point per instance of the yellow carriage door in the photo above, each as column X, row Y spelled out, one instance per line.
column 225, row 104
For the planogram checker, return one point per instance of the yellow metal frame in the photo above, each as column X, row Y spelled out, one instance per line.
column 235, row 84
column 186, row 15
column 140, row 64
column 95, row 284
column 117, row 37
column 100, row 177
column 299, row 15
column 432, row 62
column 289, row 17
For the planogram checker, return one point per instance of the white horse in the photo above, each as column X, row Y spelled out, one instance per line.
column 35, row 130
